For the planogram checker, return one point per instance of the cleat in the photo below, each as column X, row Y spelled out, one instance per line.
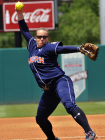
column 90, row 135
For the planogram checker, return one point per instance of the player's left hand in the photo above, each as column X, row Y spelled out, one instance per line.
column 91, row 50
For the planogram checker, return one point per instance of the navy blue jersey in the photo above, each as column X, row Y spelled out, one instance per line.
column 43, row 61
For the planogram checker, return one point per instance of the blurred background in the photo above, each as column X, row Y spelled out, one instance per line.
column 78, row 22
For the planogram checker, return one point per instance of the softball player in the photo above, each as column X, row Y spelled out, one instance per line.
column 52, row 79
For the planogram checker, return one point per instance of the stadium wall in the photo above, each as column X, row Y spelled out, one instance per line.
column 17, row 83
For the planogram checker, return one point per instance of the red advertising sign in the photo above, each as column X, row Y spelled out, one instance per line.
column 36, row 14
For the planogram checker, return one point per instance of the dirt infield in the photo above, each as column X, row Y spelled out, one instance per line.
column 64, row 127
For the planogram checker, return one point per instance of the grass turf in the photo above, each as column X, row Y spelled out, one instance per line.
column 29, row 110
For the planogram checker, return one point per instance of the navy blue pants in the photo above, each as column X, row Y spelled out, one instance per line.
column 62, row 91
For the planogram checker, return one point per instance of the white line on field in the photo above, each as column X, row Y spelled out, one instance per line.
column 75, row 137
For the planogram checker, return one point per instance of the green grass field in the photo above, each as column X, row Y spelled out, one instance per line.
column 29, row 110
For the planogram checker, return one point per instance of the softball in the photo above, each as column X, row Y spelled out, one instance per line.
column 19, row 5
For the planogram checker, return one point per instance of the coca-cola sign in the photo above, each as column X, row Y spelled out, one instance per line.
column 36, row 14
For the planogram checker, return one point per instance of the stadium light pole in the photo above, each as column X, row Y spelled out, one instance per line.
column 102, row 21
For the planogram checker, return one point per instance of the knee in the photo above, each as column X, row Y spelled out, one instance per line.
column 70, row 108
column 38, row 119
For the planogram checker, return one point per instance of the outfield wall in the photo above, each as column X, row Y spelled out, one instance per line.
column 17, row 83
column 95, row 83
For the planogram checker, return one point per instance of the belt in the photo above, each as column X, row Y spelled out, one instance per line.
column 50, row 84
column 46, row 87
